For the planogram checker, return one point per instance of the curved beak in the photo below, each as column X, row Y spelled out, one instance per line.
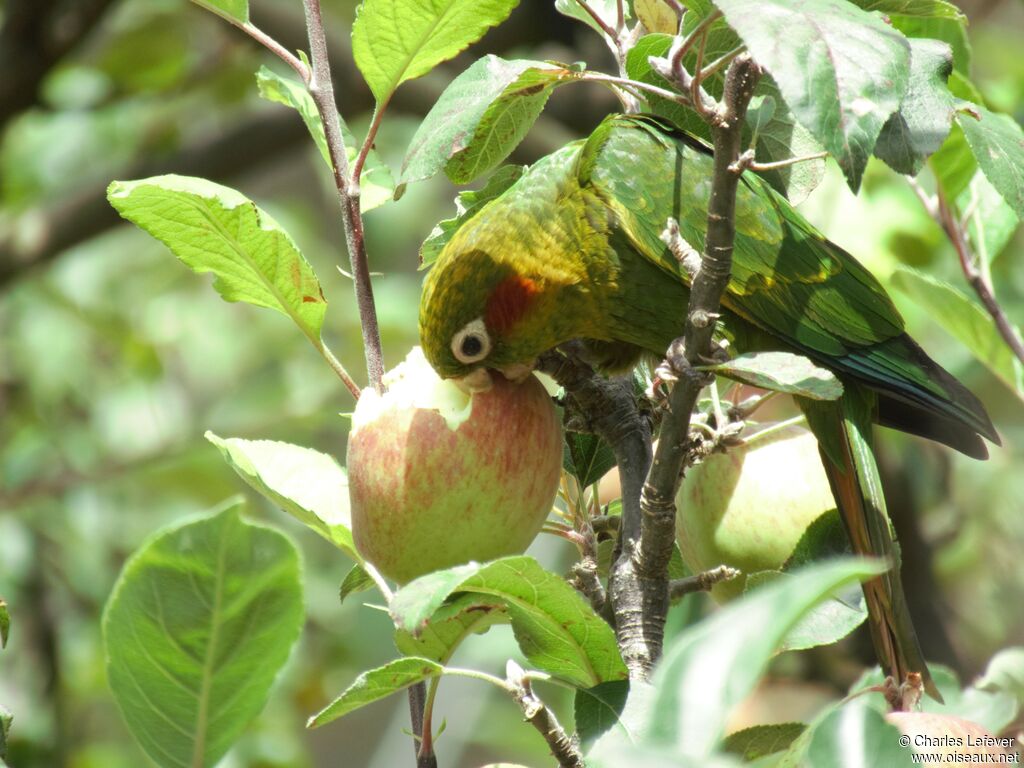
column 477, row 381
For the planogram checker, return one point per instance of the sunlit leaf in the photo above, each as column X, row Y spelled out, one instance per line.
column 842, row 71
column 213, row 228
column 450, row 624
column 656, row 16
column 555, row 627
column 760, row 740
column 606, row 10
column 732, row 647
column 398, row 40
column 377, row 684
column 781, row 372
column 998, row 145
column 925, row 117
column 199, row 623
column 310, row 486
column 481, row 117
column 856, row 736
column 466, row 205
column 375, row 183
column 965, row 320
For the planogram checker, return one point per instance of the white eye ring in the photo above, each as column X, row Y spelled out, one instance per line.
column 471, row 344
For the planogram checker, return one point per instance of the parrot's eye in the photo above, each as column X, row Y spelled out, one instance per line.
column 472, row 343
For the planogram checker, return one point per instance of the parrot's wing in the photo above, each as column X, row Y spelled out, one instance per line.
column 787, row 279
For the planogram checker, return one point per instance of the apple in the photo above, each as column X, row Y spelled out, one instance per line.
column 439, row 477
column 748, row 508
column 951, row 737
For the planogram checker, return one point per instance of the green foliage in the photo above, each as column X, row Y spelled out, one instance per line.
column 997, row 142
column 449, row 625
column 377, row 684
column 215, row 229
column 963, row 319
column 606, row 10
column 466, row 205
column 586, row 457
column 233, row 10
column 781, row 372
column 480, row 118
column 599, row 709
column 555, row 627
column 5, row 623
column 307, row 484
column 924, row 119
column 856, row 723
column 843, row 72
column 761, row 740
column 375, row 183
column 355, row 581
column 198, row 625
column 398, row 40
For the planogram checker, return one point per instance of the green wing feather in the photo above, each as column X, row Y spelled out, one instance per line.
column 788, row 281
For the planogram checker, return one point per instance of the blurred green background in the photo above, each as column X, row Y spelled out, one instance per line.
column 115, row 358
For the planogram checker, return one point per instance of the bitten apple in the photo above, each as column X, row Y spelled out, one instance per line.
column 438, row 477
column 748, row 508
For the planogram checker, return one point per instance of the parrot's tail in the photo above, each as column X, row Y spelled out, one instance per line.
column 843, row 429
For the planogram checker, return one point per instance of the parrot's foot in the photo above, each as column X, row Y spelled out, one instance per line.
column 677, row 366
column 685, row 253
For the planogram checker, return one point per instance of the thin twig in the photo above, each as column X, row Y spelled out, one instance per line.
column 753, row 165
column 564, row 749
column 624, row 82
column 976, row 277
column 371, row 136
column 701, row 582
column 720, row 62
column 322, row 91
column 339, row 369
column 696, row 34
column 599, row 21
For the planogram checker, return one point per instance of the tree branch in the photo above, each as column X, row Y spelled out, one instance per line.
column 322, row 90
column 701, row 582
column 563, row 748
column 977, row 279
column 640, row 575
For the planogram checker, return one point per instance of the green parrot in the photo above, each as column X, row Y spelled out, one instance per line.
column 573, row 250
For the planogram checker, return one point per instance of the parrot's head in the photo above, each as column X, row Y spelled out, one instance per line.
column 478, row 314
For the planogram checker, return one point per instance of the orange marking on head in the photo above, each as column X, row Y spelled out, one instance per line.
column 509, row 302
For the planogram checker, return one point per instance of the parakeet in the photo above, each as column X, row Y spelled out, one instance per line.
column 573, row 250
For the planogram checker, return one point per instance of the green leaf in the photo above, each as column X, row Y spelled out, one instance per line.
column 598, row 709
column 926, row 9
column 997, row 142
column 199, row 623
column 779, row 136
column 398, row 40
column 233, row 10
column 954, row 165
column 656, row 16
column 586, row 457
column 925, row 117
column 760, row 740
column 781, row 372
column 606, row 10
column 6, row 718
column 375, row 183
column 377, row 684
column 991, row 223
column 965, row 321
column 481, row 117
column 355, row 581
column 826, row 623
column 825, row 537
column 5, row 623
column 466, row 205
column 555, row 627
column 310, row 486
column 856, row 736
column 951, row 31
column 994, row 710
column 732, row 648
column 1005, row 672
column 842, row 71
column 216, row 229
column 450, row 624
